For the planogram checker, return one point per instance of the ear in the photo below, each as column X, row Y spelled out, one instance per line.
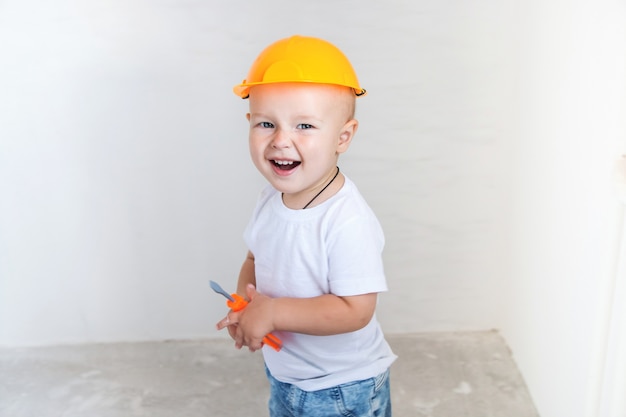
column 346, row 134
column 248, row 116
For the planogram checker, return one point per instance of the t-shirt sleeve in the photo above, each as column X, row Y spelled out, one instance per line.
column 262, row 200
column 355, row 258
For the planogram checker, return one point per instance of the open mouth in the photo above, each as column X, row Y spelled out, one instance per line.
column 285, row 165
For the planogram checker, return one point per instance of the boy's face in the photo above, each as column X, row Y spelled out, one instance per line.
column 297, row 132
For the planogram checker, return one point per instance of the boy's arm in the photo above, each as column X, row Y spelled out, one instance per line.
column 324, row 315
column 246, row 274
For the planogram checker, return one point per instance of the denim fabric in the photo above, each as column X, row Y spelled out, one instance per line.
column 367, row 398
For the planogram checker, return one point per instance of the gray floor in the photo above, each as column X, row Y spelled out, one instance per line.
column 437, row 374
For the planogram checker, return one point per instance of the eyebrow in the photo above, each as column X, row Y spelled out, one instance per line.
column 296, row 117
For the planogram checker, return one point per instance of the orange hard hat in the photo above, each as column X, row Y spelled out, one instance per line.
column 300, row 59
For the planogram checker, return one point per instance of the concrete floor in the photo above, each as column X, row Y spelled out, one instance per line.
column 437, row 374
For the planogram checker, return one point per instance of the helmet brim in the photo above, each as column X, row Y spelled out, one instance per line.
column 243, row 90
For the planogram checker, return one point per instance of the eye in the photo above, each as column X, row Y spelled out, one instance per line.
column 305, row 126
column 264, row 125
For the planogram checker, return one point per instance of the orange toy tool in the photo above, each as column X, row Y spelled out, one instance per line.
column 237, row 303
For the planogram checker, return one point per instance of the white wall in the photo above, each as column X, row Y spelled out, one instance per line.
column 123, row 173
column 564, row 225
column 125, row 179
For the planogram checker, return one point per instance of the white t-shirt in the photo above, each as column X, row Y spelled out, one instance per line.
column 334, row 248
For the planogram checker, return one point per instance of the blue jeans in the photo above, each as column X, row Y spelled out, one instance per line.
column 367, row 398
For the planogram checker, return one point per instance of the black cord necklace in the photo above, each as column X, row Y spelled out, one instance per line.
column 318, row 194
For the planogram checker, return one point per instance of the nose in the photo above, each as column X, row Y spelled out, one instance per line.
column 281, row 139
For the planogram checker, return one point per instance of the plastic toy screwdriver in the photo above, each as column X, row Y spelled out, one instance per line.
column 237, row 303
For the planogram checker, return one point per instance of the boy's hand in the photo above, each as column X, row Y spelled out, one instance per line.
column 230, row 322
column 256, row 320
column 249, row 326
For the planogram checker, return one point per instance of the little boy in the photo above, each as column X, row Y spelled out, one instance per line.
column 314, row 267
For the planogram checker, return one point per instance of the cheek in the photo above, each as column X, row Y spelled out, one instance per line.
column 319, row 145
column 255, row 144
